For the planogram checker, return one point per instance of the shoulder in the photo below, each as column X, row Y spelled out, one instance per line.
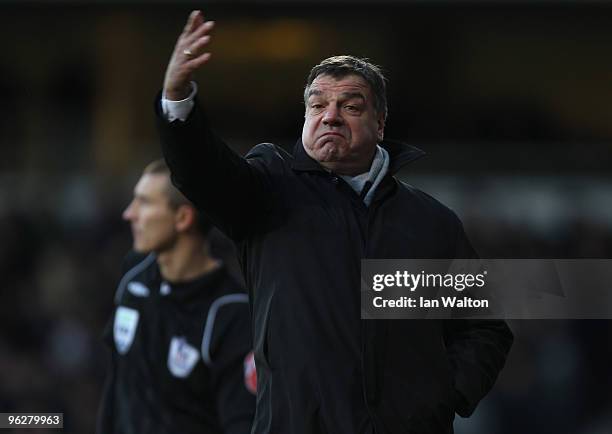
column 134, row 266
column 227, row 325
column 270, row 155
column 230, row 301
column 444, row 220
column 268, row 151
column 133, row 259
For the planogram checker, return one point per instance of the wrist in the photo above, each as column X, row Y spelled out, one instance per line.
column 177, row 93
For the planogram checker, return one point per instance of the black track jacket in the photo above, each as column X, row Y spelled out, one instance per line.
column 301, row 233
column 181, row 354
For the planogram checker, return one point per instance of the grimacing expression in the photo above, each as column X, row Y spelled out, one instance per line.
column 341, row 123
column 151, row 217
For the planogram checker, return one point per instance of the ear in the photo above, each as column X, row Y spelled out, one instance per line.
column 184, row 218
column 381, row 127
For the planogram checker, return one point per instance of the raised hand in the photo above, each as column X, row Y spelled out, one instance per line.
column 188, row 56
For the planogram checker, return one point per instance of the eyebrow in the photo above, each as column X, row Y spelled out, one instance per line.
column 351, row 95
column 316, row 92
column 344, row 95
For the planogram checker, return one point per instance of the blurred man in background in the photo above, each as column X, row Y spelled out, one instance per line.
column 180, row 334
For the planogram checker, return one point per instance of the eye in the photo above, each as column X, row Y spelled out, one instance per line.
column 316, row 106
column 351, row 108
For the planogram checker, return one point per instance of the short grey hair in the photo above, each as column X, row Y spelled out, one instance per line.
column 342, row 66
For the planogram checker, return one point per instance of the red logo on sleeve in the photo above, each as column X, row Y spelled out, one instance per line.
column 250, row 373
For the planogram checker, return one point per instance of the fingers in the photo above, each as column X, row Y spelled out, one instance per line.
column 197, row 47
column 196, row 27
column 194, row 20
column 195, row 36
column 202, row 31
column 194, row 45
column 199, row 61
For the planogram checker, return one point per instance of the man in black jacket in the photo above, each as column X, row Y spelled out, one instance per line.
column 180, row 334
column 302, row 222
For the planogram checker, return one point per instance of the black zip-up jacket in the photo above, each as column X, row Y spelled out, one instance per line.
column 301, row 233
column 180, row 354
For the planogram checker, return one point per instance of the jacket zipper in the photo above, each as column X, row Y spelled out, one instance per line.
column 367, row 357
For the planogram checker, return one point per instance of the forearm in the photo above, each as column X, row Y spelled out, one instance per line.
column 217, row 180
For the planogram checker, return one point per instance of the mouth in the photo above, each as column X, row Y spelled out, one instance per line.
column 332, row 133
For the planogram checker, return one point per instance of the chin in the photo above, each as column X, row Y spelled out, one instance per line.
column 329, row 152
column 138, row 248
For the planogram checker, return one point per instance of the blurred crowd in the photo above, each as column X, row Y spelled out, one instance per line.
column 55, row 300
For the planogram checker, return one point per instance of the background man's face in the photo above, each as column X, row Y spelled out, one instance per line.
column 152, row 220
column 341, row 123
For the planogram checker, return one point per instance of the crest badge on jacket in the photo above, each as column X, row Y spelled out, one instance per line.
column 124, row 328
column 182, row 357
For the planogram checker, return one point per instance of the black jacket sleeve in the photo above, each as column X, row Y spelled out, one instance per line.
column 229, row 189
column 231, row 344
column 477, row 348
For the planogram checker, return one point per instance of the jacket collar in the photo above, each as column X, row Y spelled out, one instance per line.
column 399, row 153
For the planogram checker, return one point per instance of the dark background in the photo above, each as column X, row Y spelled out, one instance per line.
column 511, row 100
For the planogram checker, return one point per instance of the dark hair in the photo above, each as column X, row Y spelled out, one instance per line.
column 341, row 66
column 175, row 197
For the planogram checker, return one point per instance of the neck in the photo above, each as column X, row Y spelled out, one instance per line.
column 346, row 169
column 188, row 259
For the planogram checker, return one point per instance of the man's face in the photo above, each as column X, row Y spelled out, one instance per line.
column 151, row 218
column 341, row 127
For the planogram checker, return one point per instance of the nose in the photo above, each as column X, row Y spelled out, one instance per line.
column 332, row 116
column 128, row 213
